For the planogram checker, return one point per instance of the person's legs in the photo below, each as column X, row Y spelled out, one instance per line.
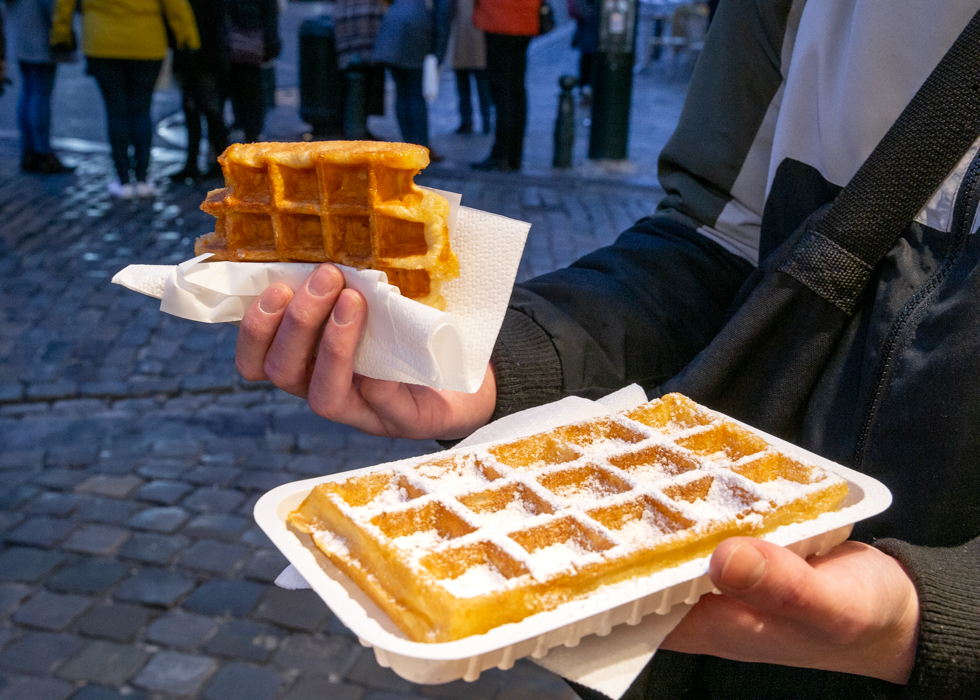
column 486, row 100
column 211, row 101
column 189, row 89
column 245, row 83
column 518, row 69
column 410, row 107
column 109, row 74
column 465, row 102
column 24, row 123
column 141, row 79
column 506, row 65
column 496, row 62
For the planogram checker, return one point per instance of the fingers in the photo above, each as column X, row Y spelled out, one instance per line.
column 257, row 330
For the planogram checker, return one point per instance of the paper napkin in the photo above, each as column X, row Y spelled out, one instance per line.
column 404, row 340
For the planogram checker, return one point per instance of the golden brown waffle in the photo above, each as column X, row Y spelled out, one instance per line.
column 463, row 543
column 348, row 202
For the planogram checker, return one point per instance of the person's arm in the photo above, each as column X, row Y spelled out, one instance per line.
column 180, row 17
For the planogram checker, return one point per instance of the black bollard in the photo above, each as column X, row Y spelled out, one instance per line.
column 565, row 123
column 355, row 111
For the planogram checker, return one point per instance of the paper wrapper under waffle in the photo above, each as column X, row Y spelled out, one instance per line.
column 404, row 341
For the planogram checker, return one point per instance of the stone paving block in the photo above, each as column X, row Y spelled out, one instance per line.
column 51, row 611
column 329, row 658
column 262, row 480
column 257, row 538
column 483, row 688
column 296, row 610
column 234, row 422
column 41, row 531
column 39, row 652
column 216, row 557
column 96, row 692
column 59, row 479
column 211, row 500
column 180, row 629
column 106, row 510
column 90, row 575
column 110, row 486
column 72, row 456
column 177, row 447
column 225, row 597
column 103, row 389
column 265, row 565
column 96, row 539
column 164, row 520
column 244, row 639
column 11, row 392
column 152, row 586
column 217, row 526
column 8, row 521
column 316, row 688
column 367, row 673
column 385, row 695
column 114, row 621
column 164, row 492
column 16, row 496
column 10, row 596
column 27, row 564
column 21, row 459
column 51, row 391
column 152, row 548
column 7, row 634
column 55, row 504
column 243, row 682
column 314, row 465
column 212, row 475
column 106, row 663
column 177, row 674
column 159, row 468
column 150, row 386
column 205, row 382
column 36, row 689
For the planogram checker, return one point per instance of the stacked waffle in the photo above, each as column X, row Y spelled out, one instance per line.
column 462, row 543
column 349, row 202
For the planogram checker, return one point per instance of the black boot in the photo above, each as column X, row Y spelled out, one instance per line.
column 49, row 164
column 29, row 161
column 189, row 172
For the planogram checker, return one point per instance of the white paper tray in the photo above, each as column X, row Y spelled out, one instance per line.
column 565, row 625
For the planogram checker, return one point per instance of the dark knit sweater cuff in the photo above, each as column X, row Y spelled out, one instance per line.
column 525, row 364
column 947, row 662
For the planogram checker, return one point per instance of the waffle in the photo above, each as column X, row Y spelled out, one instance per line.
column 458, row 544
column 348, row 202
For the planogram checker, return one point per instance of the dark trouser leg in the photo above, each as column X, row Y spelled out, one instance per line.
column 108, row 73
column 211, row 101
column 410, row 107
column 506, row 64
column 245, row 83
column 585, row 68
column 465, row 99
column 486, row 100
column 34, row 106
column 190, row 88
column 142, row 78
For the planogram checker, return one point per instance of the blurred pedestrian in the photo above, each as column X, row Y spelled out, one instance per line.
column 470, row 64
column 356, row 25
column 31, row 23
column 508, row 26
column 411, row 30
column 124, row 42
column 586, row 40
column 202, row 75
column 253, row 39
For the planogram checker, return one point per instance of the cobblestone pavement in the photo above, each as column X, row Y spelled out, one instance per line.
column 131, row 455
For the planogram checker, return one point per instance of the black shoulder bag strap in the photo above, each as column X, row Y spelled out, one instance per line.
column 765, row 363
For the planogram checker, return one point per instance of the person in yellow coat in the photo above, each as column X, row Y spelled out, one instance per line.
column 124, row 42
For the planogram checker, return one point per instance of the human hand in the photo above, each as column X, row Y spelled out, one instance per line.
column 304, row 343
column 853, row 610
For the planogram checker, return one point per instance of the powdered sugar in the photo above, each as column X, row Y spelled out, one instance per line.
column 477, row 580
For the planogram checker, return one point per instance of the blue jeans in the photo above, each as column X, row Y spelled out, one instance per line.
column 410, row 107
column 34, row 106
column 127, row 89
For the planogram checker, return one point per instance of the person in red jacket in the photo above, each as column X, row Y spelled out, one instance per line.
column 508, row 26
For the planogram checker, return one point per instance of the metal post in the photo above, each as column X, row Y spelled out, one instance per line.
column 565, row 123
column 355, row 111
column 613, row 80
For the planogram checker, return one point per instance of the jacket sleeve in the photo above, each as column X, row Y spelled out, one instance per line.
column 947, row 661
column 61, row 23
column 180, row 18
column 639, row 310
column 270, row 29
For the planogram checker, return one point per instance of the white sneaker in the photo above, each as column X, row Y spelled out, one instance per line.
column 119, row 190
column 146, row 189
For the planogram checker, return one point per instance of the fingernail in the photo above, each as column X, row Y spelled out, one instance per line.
column 743, row 568
column 273, row 300
column 323, row 282
column 346, row 308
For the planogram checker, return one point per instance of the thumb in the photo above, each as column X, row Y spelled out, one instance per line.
column 773, row 580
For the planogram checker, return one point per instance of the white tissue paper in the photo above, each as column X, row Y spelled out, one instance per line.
column 607, row 664
column 404, row 340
